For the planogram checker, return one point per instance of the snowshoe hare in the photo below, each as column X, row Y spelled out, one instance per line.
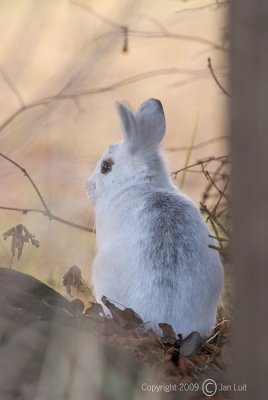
column 153, row 253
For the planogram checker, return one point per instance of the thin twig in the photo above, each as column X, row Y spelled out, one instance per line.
column 48, row 214
column 216, row 233
column 211, row 6
column 216, row 173
column 12, row 86
column 216, row 79
column 220, row 239
column 221, row 192
column 200, row 163
column 213, row 218
column 199, row 145
column 23, row 170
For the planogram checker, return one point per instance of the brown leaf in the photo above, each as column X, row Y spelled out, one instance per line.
column 78, row 306
column 191, row 344
column 94, row 308
column 169, row 336
column 95, row 311
column 73, row 278
column 126, row 318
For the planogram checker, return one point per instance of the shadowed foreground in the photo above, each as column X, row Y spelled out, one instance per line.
column 49, row 349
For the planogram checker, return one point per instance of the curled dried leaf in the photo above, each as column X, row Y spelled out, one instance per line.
column 126, row 318
column 19, row 235
column 73, row 278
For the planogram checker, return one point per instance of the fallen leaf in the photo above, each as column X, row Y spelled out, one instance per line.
column 126, row 318
column 20, row 235
column 78, row 306
column 191, row 344
column 169, row 336
column 73, row 278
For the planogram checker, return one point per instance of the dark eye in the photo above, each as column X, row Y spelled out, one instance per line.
column 106, row 166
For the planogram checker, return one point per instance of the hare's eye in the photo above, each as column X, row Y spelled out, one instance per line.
column 106, row 166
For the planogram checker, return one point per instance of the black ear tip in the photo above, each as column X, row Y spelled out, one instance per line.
column 152, row 104
column 155, row 101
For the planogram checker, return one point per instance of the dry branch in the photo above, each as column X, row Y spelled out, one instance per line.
column 46, row 211
column 216, row 79
column 123, row 30
column 75, row 96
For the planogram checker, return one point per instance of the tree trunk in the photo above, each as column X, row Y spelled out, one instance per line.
column 249, row 61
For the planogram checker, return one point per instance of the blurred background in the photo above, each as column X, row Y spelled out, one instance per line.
column 63, row 65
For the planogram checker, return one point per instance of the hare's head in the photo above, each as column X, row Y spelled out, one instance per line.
column 136, row 158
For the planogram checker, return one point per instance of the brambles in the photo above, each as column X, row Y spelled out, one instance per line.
column 215, row 201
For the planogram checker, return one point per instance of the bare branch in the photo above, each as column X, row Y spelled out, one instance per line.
column 214, row 219
column 162, row 33
column 23, row 170
column 12, row 85
column 201, row 163
column 46, row 212
column 221, row 193
column 74, row 96
column 51, row 216
column 215, row 6
column 168, row 35
column 216, row 79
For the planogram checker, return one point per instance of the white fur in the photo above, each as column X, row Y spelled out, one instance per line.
column 153, row 253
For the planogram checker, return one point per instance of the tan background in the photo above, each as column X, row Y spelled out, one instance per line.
column 50, row 46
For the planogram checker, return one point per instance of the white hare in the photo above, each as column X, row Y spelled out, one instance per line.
column 153, row 253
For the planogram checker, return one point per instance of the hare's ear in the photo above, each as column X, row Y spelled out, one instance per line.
column 152, row 124
column 128, row 125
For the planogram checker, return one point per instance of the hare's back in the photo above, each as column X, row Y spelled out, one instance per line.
column 174, row 232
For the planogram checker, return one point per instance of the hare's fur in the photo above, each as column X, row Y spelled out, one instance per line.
column 153, row 253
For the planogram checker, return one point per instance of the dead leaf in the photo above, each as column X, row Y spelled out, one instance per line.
column 191, row 344
column 95, row 311
column 127, row 318
column 95, row 308
column 73, row 278
column 20, row 235
column 169, row 336
column 78, row 306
